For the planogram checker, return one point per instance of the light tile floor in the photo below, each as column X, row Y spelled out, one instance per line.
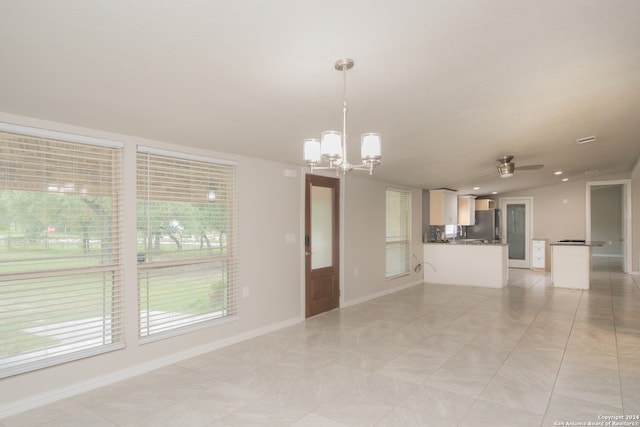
column 431, row 355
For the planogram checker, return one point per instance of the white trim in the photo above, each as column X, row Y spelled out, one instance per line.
column 159, row 336
column 302, row 247
column 53, row 134
column 185, row 156
column 528, row 201
column 396, row 188
column 409, row 196
column 16, row 367
column 627, row 225
column 406, row 273
column 382, row 293
column 84, row 386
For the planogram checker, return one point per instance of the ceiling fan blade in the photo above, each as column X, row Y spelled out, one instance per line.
column 529, row 167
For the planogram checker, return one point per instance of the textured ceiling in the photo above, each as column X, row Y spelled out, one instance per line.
column 451, row 85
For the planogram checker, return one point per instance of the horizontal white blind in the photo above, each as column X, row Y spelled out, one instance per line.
column 187, row 241
column 397, row 232
column 60, row 274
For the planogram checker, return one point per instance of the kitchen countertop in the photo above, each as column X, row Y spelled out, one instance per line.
column 577, row 243
column 467, row 242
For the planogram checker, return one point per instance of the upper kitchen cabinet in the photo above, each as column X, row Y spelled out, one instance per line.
column 485, row 204
column 443, row 207
column 466, row 210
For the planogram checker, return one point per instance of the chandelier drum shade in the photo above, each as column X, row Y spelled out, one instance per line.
column 332, row 146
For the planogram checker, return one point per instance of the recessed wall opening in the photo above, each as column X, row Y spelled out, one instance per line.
column 608, row 220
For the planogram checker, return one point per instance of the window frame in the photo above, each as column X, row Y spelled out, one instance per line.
column 405, row 238
column 62, row 273
column 230, row 311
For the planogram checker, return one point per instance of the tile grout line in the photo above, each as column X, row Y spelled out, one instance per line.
column 477, row 399
column 564, row 352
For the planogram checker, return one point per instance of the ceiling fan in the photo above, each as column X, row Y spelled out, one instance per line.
column 506, row 167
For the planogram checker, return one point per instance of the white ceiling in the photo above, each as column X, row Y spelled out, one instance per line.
column 451, row 84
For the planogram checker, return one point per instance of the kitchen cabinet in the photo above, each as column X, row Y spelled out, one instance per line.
column 466, row 210
column 485, row 204
column 540, row 255
column 443, row 207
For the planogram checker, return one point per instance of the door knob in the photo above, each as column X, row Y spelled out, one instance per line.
column 308, row 253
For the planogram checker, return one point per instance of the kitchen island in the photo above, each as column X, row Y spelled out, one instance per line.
column 467, row 263
column 571, row 263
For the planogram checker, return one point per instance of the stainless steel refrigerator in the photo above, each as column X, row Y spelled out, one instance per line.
column 487, row 226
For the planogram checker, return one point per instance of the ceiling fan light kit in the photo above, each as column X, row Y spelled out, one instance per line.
column 506, row 171
column 332, row 147
column 506, row 167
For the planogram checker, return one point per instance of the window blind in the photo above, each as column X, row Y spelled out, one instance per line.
column 187, row 241
column 397, row 232
column 60, row 249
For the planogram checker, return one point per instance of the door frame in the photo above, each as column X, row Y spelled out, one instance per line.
column 336, row 184
column 626, row 223
column 528, row 202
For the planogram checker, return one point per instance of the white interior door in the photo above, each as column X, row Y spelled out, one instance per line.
column 516, row 230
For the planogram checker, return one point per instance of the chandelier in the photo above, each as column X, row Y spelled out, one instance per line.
column 332, row 147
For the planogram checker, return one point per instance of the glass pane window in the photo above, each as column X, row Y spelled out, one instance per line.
column 322, row 226
column 60, row 249
column 187, row 241
column 397, row 232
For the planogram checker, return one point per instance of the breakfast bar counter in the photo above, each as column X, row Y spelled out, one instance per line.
column 470, row 264
column 571, row 263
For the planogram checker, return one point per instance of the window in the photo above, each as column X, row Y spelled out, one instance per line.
column 60, row 248
column 398, row 232
column 450, row 231
column 187, row 250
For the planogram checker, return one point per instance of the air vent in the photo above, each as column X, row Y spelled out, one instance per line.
column 586, row 140
column 591, row 171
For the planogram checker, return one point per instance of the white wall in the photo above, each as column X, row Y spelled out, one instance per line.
column 271, row 270
column 635, row 217
column 364, row 239
column 606, row 219
column 556, row 219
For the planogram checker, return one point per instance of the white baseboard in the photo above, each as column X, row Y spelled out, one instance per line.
column 74, row 389
column 381, row 294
